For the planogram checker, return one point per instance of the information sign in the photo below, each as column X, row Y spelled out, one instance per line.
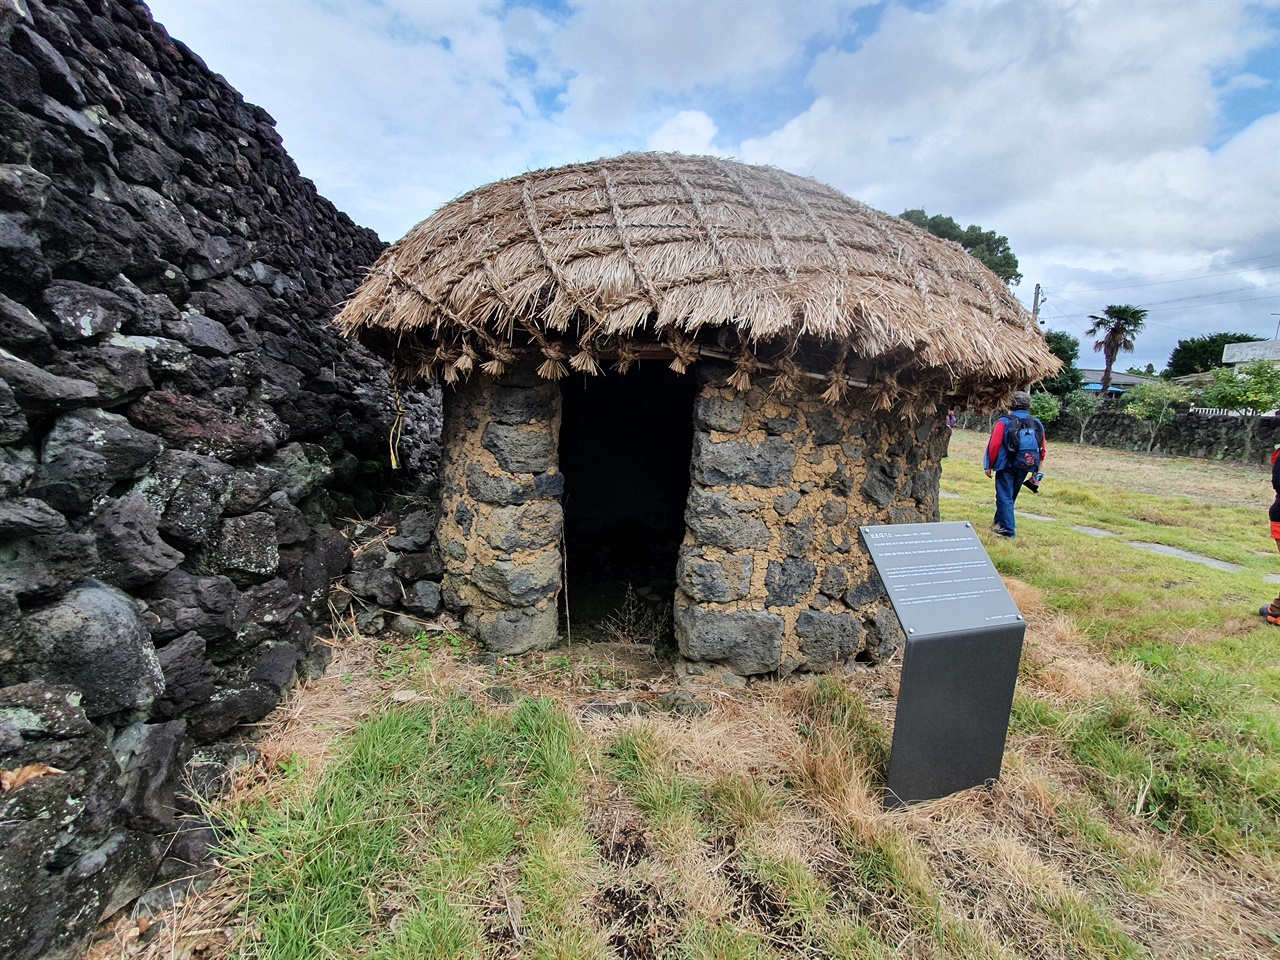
column 960, row 661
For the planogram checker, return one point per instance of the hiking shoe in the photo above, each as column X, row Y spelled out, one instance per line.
column 1031, row 485
column 1000, row 531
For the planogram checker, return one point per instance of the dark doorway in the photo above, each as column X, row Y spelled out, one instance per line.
column 625, row 445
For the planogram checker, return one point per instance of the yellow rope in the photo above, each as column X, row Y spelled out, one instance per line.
column 397, row 428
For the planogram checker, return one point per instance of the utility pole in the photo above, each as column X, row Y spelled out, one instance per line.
column 1035, row 305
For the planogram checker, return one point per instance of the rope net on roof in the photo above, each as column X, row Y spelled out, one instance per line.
column 596, row 265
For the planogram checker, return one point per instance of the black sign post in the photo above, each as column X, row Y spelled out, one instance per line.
column 960, row 663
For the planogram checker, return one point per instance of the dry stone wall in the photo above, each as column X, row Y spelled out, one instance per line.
column 500, row 516
column 179, row 425
column 772, row 575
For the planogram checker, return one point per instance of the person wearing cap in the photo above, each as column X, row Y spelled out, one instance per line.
column 1010, row 476
column 1271, row 611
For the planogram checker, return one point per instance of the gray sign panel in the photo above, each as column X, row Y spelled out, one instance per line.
column 939, row 577
column 960, row 661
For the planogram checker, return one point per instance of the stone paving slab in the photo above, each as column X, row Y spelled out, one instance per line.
column 1094, row 531
column 1186, row 555
column 1035, row 516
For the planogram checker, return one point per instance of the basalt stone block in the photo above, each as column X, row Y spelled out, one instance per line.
column 718, row 520
column 40, row 392
column 866, row 591
column 711, row 581
column 263, row 613
column 717, row 413
column 248, row 489
column 20, row 331
column 246, row 549
column 414, row 532
column 67, row 859
column 274, row 664
column 824, row 426
column 524, row 527
column 507, row 632
column 210, row 338
column 765, row 464
column 36, row 567
column 120, row 374
column 797, row 537
column 885, row 636
column 189, row 677
column 516, row 405
column 230, row 706
column 189, row 491
column 520, row 584
column 881, row 485
column 381, row 585
column 423, row 597
column 748, row 642
column 17, row 467
column 780, row 426
column 784, row 503
column 85, row 454
column 180, row 603
column 506, row 489
column 153, row 757
column 130, row 550
column 25, row 517
column 191, row 424
column 94, row 638
column 427, row 565
column 835, row 512
column 835, row 581
column 827, row 640
column 788, row 582
column 80, row 311
column 303, row 468
column 520, row 449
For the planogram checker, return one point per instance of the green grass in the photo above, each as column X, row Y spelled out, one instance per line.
column 460, row 828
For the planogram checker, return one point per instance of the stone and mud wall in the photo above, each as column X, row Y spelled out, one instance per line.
column 772, row 575
column 179, row 427
column 500, row 515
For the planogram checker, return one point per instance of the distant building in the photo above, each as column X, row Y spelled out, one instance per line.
column 1236, row 353
column 1120, row 382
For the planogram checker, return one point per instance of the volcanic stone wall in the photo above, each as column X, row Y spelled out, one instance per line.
column 772, row 576
column 500, row 516
column 178, row 427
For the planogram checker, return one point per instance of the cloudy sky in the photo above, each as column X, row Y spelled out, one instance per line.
column 1129, row 150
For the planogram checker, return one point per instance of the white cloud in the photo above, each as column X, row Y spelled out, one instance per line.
column 689, row 131
column 1094, row 135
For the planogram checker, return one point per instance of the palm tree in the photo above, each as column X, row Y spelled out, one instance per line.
column 1116, row 327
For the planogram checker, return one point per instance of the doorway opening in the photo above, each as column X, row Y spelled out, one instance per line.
column 625, row 446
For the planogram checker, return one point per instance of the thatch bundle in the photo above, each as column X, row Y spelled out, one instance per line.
column 660, row 254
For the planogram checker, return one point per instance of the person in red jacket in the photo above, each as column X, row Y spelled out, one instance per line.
column 1011, row 469
column 1272, row 610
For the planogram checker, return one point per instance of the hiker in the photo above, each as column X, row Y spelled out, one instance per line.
column 1014, row 453
column 1271, row 612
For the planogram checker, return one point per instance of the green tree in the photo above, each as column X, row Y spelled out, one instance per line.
column 1067, row 349
column 987, row 245
column 1082, row 406
column 1045, row 406
column 1155, row 404
column 1116, row 328
column 1251, row 388
column 1148, row 371
column 1202, row 354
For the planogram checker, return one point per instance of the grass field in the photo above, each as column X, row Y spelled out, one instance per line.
column 414, row 804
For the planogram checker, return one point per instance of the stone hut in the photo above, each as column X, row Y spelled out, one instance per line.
column 714, row 369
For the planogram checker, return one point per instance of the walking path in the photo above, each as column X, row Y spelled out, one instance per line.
column 1139, row 544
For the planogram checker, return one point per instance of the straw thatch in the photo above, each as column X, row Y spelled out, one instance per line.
column 660, row 254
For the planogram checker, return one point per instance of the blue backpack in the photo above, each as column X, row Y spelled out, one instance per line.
column 1023, row 437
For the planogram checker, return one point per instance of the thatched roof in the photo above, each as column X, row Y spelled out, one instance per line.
column 660, row 254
